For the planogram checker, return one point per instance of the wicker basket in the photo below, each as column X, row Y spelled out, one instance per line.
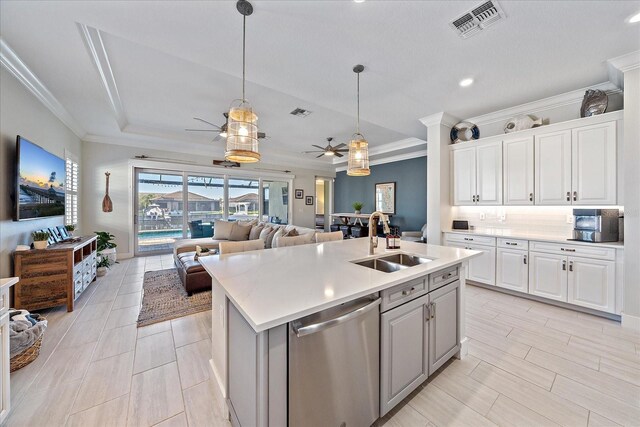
column 21, row 360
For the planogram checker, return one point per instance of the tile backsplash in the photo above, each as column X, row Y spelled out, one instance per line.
column 531, row 219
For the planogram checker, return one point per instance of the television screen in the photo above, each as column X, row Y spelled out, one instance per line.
column 40, row 182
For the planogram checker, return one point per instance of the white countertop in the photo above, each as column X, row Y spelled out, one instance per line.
column 530, row 235
column 275, row 286
column 7, row 283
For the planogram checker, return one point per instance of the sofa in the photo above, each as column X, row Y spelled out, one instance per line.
column 193, row 275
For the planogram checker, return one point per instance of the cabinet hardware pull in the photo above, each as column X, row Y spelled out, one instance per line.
column 474, row 198
column 564, row 265
column 531, row 197
column 446, row 276
column 468, row 239
column 575, row 196
column 525, row 259
column 408, row 292
column 428, row 307
column 512, row 244
column 568, row 196
column 432, row 310
column 477, row 197
column 570, row 265
column 567, row 250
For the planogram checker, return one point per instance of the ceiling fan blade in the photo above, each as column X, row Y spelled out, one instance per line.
column 202, row 130
column 342, row 144
column 204, row 121
column 317, row 146
column 317, row 157
column 338, row 154
column 314, row 151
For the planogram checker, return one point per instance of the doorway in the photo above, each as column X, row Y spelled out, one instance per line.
column 324, row 203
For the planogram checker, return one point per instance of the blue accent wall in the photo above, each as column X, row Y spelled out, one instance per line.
column 410, row 177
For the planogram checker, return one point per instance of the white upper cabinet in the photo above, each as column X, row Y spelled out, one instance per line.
column 518, row 172
column 489, row 174
column 464, row 176
column 594, row 171
column 553, row 168
column 477, row 175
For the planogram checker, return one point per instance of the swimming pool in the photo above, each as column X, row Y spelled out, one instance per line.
column 159, row 234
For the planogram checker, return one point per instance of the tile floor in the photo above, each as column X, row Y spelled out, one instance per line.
column 529, row 364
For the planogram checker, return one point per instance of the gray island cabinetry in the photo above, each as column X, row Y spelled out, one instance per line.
column 324, row 340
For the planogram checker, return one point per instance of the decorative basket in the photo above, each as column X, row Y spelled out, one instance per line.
column 21, row 360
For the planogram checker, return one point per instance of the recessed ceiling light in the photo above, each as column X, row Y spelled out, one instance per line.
column 466, row 82
column 359, row 1
column 635, row 18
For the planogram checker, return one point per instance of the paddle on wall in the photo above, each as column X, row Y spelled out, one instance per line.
column 107, row 204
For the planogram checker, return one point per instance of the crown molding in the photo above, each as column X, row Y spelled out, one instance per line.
column 92, row 39
column 556, row 101
column 12, row 62
column 626, row 62
column 441, row 118
column 390, row 159
column 391, row 147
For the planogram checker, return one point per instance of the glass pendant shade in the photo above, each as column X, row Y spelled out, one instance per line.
column 358, row 164
column 242, row 134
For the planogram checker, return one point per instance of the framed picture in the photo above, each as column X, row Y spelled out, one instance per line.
column 385, row 197
column 299, row 193
column 309, row 200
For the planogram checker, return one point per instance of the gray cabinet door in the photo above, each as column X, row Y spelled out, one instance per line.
column 404, row 351
column 443, row 325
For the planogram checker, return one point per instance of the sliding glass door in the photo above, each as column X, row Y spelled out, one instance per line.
column 275, row 201
column 243, row 198
column 159, row 211
column 205, row 203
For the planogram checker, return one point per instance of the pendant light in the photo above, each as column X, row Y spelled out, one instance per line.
column 358, row 164
column 242, row 128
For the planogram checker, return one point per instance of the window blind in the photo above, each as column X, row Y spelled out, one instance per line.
column 71, row 191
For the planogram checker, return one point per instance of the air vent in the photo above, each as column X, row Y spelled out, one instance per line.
column 478, row 18
column 300, row 112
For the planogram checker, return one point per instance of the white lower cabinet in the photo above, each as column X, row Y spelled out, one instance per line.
column 512, row 271
column 404, row 352
column 591, row 283
column 4, row 362
column 548, row 275
column 483, row 268
column 443, row 325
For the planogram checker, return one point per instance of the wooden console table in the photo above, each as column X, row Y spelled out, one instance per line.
column 56, row 275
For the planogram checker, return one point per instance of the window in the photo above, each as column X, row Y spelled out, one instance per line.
column 243, row 198
column 71, row 190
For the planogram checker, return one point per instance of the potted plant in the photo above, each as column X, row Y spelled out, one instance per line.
column 70, row 228
column 40, row 239
column 103, row 265
column 358, row 207
column 106, row 246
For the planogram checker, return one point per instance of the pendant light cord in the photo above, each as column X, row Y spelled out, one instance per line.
column 244, row 38
column 358, row 95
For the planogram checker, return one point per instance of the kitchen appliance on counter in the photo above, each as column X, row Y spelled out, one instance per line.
column 334, row 363
column 595, row 225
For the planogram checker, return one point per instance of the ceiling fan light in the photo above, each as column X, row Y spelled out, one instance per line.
column 242, row 134
column 358, row 163
column 329, row 153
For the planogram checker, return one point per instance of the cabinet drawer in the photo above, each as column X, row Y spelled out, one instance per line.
column 443, row 277
column 77, row 270
column 400, row 294
column 513, row 244
column 78, row 284
column 574, row 250
column 470, row 238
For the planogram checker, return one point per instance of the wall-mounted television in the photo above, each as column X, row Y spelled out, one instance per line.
column 40, row 182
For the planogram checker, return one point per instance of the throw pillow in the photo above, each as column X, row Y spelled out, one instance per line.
column 255, row 232
column 248, row 221
column 265, row 232
column 303, row 239
column 290, row 233
column 222, row 229
column 239, row 232
column 271, row 236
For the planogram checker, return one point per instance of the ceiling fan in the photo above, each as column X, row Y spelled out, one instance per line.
column 226, row 163
column 329, row 150
column 220, row 130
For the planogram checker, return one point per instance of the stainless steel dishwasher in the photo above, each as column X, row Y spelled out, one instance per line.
column 334, row 364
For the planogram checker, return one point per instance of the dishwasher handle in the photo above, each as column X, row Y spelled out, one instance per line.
column 321, row 326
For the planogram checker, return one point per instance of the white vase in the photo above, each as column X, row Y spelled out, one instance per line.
column 101, row 271
column 110, row 253
column 41, row 244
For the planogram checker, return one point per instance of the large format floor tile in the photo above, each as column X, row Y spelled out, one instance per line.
column 156, row 395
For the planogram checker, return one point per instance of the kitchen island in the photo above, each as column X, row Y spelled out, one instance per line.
column 259, row 297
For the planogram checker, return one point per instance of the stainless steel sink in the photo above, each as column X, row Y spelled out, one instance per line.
column 405, row 259
column 381, row 265
column 394, row 262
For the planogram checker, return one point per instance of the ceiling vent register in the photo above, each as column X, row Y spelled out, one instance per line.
column 478, row 18
column 300, row 112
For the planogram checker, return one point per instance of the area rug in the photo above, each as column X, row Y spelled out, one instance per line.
column 164, row 298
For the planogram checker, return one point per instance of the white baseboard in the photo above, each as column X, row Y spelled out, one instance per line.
column 631, row 322
column 125, row 255
column 464, row 347
column 221, row 389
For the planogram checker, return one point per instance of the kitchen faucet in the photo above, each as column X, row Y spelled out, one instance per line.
column 374, row 243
